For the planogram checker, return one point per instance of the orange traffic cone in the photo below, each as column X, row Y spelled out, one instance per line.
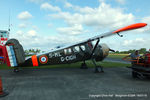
column 2, row 93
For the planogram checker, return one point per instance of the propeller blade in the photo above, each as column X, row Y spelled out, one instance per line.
column 130, row 27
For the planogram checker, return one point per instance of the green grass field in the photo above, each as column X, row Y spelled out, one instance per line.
column 75, row 65
column 119, row 56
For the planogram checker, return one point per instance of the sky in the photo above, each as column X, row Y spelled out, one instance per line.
column 46, row 24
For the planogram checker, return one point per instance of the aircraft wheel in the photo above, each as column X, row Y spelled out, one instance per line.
column 84, row 66
column 16, row 70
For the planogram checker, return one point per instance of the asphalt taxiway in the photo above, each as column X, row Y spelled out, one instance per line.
column 74, row 84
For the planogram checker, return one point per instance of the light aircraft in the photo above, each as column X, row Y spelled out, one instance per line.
column 15, row 56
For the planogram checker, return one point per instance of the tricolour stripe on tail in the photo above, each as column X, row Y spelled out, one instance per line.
column 11, row 56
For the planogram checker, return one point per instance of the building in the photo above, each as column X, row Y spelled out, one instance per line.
column 3, row 39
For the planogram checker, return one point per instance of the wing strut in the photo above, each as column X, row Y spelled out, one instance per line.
column 120, row 35
column 94, row 48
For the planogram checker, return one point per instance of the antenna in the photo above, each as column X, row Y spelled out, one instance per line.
column 9, row 22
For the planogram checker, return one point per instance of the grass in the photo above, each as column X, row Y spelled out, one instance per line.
column 75, row 65
column 4, row 66
column 118, row 56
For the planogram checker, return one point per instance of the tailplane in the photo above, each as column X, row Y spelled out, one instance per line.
column 15, row 55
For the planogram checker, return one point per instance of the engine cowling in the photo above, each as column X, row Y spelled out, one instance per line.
column 101, row 52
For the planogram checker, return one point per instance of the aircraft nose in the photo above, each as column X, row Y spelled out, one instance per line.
column 105, row 49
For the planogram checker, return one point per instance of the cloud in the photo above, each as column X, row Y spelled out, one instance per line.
column 32, row 33
column 121, row 1
column 68, row 5
column 50, row 25
column 100, row 17
column 31, row 39
column 35, row 27
column 102, row 1
column 19, row 32
column 136, row 43
column 24, row 15
column 145, row 29
column 36, row 1
column 146, row 20
column 22, row 25
column 47, row 6
column 73, row 30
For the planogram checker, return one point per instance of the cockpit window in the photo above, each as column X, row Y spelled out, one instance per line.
column 82, row 47
column 76, row 49
column 67, row 51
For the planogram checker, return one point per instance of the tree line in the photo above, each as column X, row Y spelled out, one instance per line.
column 141, row 51
column 31, row 52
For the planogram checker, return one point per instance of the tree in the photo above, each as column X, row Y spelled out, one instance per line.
column 142, row 50
column 117, row 52
column 31, row 52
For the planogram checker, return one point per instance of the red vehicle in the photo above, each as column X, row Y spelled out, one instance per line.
column 141, row 67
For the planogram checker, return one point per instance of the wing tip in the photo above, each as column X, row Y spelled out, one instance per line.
column 131, row 27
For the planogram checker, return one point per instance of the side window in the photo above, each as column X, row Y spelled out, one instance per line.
column 76, row 49
column 67, row 51
column 82, row 47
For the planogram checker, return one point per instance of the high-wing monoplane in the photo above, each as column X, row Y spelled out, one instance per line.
column 85, row 50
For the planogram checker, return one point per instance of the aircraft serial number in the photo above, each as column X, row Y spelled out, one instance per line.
column 68, row 58
column 56, row 54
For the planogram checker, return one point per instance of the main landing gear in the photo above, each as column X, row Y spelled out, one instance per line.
column 83, row 65
column 16, row 69
column 97, row 67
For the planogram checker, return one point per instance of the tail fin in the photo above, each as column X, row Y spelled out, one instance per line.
column 15, row 53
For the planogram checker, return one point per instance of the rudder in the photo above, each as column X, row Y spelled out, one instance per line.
column 19, row 55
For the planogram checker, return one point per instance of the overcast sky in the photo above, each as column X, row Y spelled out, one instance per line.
column 45, row 24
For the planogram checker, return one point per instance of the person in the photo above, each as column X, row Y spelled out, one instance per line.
column 134, row 56
column 147, row 58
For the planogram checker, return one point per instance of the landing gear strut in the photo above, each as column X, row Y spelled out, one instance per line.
column 16, row 69
column 97, row 67
column 83, row 65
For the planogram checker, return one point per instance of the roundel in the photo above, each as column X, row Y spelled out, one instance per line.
column 43, row 59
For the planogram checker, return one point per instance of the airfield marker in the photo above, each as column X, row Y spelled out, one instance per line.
column 2, row 93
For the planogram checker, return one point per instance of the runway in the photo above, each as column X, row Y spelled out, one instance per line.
column 116, row 60
column 73, row 84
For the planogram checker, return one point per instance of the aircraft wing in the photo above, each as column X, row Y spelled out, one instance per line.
column 126, row 28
